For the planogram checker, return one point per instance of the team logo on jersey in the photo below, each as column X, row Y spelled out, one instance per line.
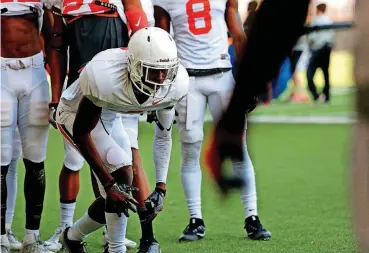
column 224, row 57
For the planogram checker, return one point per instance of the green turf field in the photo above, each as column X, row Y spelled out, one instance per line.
column 302, row 181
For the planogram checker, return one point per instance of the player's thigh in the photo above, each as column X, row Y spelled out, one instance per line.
column 8, row 116
column 190, row 113
column 120, row 135
column 33, row 111
column 130, row 123
column 112, row 155
column 65, row 117
column 220, row 89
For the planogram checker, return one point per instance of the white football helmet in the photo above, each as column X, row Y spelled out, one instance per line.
column 152, row 61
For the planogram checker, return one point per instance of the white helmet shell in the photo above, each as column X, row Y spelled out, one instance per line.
column 152, row 49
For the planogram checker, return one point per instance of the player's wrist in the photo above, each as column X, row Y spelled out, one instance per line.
column 137, row 19
column 161, row 188
column 53, row 104
column 109, row 184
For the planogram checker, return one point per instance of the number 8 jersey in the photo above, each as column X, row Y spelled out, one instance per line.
column 200, row 32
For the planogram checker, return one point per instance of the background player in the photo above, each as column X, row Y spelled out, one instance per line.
column 200, row 30
column 24, row 99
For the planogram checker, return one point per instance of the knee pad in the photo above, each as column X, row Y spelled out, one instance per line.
column 35, row 152
column 193, row 135
column 190, row 156
column 72, row 159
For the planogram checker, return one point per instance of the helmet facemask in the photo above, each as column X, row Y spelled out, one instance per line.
column 150, row 78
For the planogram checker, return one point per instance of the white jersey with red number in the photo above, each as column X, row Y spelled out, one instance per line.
column 21, row 7
column 87, row 7
column 105, row 81
column 200, row 32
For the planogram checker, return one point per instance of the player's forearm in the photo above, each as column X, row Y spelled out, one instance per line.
column 162, row 148
column 162, row 145
column 58, row 56
column 86, row 120
column 58, row 73
column 235, row 27
column 239, row 45
column 162, row 19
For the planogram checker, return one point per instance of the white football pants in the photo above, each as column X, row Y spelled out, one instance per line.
column 215, row 91
column 24, row 103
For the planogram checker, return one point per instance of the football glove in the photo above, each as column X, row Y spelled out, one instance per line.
column 121, row 196
column 154, row 204
column 52, row 114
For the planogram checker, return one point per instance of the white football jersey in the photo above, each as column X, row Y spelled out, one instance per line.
column 200, row 31
column 105, row 81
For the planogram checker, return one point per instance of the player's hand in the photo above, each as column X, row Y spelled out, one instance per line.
column 121, row 196
column 154, row 204
column 52, row 114
column 224, row 145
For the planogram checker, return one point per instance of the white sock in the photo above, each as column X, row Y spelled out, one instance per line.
column 245, row 170
column 116, row 229
column 191, row 177
column 32, row 232
column 66, row 214
column 11, row 185
column 82, row 228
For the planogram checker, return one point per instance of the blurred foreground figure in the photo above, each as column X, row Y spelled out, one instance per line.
column 261, row 62
column 360, row 166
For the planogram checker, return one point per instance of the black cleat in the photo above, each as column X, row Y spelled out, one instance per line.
column 72, row 246
column 149, row 246
column 194, row 231
column 254, row 229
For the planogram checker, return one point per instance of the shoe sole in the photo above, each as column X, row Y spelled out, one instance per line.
column 190, row 238
column 262, row 236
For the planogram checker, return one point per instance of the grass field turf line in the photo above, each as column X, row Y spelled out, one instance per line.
column 302, row 182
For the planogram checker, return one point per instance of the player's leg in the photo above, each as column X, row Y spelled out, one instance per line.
column 190, row 120
column 326, row 56
column 220, row 88
column 118, row 162
column 126, row 136
column 310, row 73
column 8, row 110
column 12, row 187
column 68, row 190
column 34, row 129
